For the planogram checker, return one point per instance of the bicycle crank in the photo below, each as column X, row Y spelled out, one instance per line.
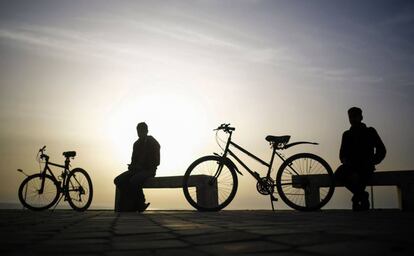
column 265, row 186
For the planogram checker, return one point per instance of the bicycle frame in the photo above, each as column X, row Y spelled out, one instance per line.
column 47, row 168
column 256, row 175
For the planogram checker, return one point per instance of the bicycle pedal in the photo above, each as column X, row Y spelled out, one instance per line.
column 273, row 198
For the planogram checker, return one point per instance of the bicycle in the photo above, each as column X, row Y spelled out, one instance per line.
column 41, row 191
column 293, row 179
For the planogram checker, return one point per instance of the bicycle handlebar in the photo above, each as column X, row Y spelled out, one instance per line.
column 225, row 127
column 42, row 154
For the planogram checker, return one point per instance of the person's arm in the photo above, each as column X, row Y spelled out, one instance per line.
column 132, row 157
column 133, row 163
column 343, row 152
column 380, row 150
column 156, row 153
column 153, row 158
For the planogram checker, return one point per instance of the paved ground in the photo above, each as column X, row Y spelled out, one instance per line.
column 65, row 232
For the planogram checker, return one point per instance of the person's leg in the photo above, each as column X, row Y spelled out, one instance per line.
column 346, row 174
column 127, row 195
column 138, row 181
column 364, row 201
column 123, row 178
column 364, row 175
column 359, row 184
column 339, row 174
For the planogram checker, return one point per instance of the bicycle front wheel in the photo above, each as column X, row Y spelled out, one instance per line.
column 39, row 192
column 305, row 182
column 79, row 191
column 210, row 183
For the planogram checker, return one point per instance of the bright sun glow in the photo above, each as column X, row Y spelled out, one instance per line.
column 175, row 121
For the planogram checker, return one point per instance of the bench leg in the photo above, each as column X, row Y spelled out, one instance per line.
column 406, row 196
column 312, row 196
column 117, row 199
column 207, row 195
column 311, row 189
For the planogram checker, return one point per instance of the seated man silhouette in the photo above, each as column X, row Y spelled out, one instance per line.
column 144, row 161
column 361, row 149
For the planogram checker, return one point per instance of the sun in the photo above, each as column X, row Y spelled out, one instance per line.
column 177, row 122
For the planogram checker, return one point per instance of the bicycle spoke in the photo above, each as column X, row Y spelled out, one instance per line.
column 286, row 184
column 79, row 190
column 294, row 194
column 33, row 196
column 305, row 166
column 223, row 184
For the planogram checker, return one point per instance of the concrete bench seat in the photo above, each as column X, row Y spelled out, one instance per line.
column 404, row 180
column 206, row 194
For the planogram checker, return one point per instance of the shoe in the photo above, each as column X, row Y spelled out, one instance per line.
column 365, row 201
column 356, row 203
column 356, row 206
column 144, row 207
column 360, row 202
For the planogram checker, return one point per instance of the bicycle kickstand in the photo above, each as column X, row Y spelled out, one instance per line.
column 272, row 199
column 57, row 203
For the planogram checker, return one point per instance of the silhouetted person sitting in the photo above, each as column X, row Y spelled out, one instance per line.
column 144, row 161
column 361, row 149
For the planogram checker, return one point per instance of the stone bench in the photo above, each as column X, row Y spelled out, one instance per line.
column 206, row 195
column 404, row 180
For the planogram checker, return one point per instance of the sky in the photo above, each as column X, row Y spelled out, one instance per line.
column 79, row 75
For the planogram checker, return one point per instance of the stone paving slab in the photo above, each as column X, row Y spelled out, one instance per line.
column 331, row 232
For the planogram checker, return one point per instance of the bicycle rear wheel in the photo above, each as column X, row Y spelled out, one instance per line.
column 305, row 182
column 36, row 198
column 210, row 184
column 79, row 190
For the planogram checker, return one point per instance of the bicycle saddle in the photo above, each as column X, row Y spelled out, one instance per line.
column 278, row 139
column 68, row 154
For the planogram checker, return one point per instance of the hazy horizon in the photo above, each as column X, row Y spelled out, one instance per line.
column 79, row 75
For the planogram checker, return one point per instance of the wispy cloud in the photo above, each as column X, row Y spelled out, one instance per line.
column 84, row 44
column 234, row 46
column 73, row 44
column 188, row 35
column 56, row 40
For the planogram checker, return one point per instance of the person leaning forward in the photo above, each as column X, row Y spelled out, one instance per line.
column 144, row 161
column 361, row 149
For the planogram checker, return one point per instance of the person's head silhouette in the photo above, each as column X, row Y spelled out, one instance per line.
column 355, row 115
column 142, row 130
